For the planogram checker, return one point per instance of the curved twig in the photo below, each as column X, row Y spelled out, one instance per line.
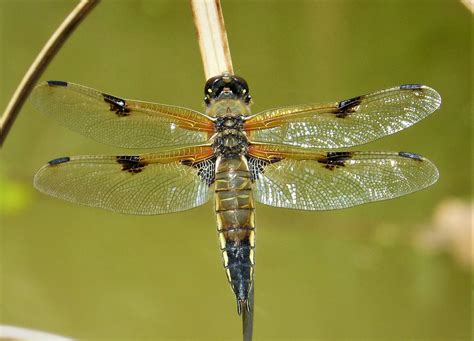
column 41, row 62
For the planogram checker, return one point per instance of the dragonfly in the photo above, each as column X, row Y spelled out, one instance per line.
column 287, row 157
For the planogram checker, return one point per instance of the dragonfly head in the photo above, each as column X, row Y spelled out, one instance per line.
column 226, row 86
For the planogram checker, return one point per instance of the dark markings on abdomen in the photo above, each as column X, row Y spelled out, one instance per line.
column 240, row 268
column 236, row 225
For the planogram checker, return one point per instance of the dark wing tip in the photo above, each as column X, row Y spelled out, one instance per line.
column 431, row 93
column 411, row 87
column 56, row 83
column 431, row 172
column 59, row 160
column 411, row 156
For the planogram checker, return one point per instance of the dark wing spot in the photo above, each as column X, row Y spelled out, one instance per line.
column 348, row 106
column 56, row 83
column 59, row 160
column 334, row 160
column 187, row 162
column 257, row 166
column 117, row 104
column 131, row 163
column 411, row 87
column 206, row 169
column 411, row 156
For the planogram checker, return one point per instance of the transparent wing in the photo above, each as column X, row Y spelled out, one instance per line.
column 346, row 123
column 133, row 184
column 120, row 122
column 332, row 180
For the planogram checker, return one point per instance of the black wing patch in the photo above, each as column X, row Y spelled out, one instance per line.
column 348, row 106
column 117, row 104
column 334, row 160
column 206, row 169
column 131, row 163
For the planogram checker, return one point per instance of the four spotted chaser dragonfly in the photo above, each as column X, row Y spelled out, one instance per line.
column 280, row 157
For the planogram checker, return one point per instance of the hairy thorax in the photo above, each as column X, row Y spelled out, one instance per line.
column 230, row 140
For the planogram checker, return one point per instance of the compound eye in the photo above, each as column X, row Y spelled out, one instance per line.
column 211, row 85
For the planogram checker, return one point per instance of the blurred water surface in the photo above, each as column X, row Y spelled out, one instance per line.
column 353, row 274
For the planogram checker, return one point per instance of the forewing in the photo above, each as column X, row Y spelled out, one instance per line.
column 120, row 122
column 351, row 122
column 333, row 180
column 133, row 184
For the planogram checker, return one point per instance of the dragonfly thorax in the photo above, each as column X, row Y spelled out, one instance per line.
column 230, row 143
column 229, row 121
column 230, row 140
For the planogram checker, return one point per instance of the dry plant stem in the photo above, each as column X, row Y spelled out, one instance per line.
column 247, row 318
column 212, row 37
column 17, row 333
column 469, row 4
column 41, row 62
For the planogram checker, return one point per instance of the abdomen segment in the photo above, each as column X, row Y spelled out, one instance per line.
column 235, row 213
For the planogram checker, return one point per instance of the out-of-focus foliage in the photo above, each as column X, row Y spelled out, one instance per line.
column 451, row 231
column 14, row 196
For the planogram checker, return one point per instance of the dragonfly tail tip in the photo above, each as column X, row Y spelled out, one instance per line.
column 242, row 304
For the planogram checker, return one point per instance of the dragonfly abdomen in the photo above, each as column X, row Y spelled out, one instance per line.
column 234, row 207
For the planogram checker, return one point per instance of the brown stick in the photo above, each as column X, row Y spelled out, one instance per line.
column 247, row 317
column 212, row 37
column 41, row 62
column 469, row 4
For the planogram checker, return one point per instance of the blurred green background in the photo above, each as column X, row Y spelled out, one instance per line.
column 393, row 270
